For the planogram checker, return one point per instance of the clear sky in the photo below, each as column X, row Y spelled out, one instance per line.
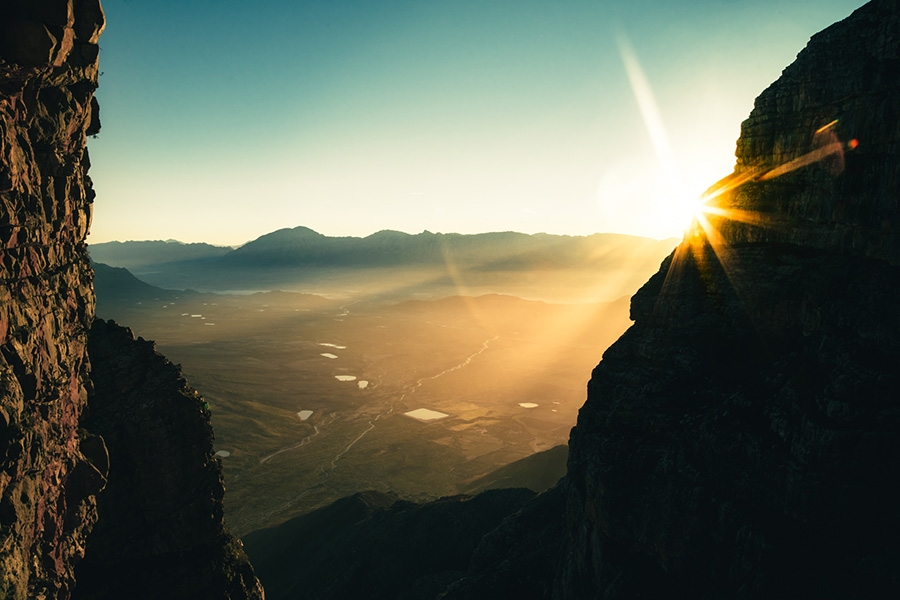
column 224, row 119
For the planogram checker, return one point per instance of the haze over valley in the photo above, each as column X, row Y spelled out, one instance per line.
column 394, row 376
column 392, row 264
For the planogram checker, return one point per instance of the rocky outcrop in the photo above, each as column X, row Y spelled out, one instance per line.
column 160, row 532
column 49, row 471
column 739, row 441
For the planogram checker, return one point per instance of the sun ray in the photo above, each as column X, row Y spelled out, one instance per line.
column 716, row 206
column 650, row 112
column 819, row 154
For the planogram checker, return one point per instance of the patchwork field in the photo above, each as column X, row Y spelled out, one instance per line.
column 314, row 399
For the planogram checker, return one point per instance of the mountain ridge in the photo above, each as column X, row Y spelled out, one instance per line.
column 281, row 242
column 299, row 259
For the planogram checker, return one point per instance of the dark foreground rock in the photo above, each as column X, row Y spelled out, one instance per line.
column 376, row 546
column 739, row 440
column 160, row 532
column 518, row 558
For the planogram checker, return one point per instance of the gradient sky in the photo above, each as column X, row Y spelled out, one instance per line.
column 224, row 120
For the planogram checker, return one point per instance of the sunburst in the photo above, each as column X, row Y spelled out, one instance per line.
column 716, row 207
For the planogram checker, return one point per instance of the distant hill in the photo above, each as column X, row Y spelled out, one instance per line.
column 116, row 287
column 118, row 283
column 599, row 267
column 133, row 255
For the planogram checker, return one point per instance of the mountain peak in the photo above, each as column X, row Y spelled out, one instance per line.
column 301, row 230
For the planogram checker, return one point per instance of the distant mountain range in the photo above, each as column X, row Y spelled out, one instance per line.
column 485, row 251
column 131, row 255
column 301, row 259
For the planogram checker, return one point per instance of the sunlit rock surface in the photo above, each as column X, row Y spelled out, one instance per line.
column 49, row 471
column 740, row 440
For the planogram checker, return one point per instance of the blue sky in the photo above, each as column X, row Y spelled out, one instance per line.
column 224, row 120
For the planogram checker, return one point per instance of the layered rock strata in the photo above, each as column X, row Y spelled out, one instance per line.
column 48, row 476
column 739, row 441
column 160, row 532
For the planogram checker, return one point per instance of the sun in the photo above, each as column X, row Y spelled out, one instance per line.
column 687, row 209
column 681, row 196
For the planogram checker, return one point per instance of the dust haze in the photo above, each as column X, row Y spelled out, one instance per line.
column 379, row 386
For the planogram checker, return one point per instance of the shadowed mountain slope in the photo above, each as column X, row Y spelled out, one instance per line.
column 538, row 472
column 131, row 255
column 386, row 546
column 117, row 284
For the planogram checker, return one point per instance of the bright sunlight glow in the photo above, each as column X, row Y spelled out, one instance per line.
column 678, row 201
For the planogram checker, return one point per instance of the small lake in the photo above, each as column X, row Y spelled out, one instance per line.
column 425, row 414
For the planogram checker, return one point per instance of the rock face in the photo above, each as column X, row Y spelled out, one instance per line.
column 160, row 532
column 51, row 469
column 740, row 440
column 48, row 73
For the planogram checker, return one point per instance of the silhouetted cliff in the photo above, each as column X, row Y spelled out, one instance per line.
column 738, row 441
column 376, row 546
column 51, row 468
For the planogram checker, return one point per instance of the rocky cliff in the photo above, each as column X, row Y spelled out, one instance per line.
column 739, row 440
column 51, row 468
column 48, row 73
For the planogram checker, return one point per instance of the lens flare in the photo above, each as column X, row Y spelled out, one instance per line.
column 713, row 208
